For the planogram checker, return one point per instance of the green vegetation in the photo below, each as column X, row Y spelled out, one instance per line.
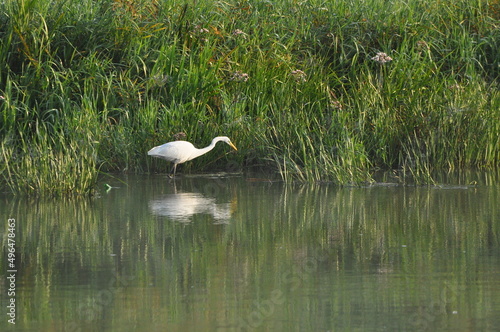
column 91, row 86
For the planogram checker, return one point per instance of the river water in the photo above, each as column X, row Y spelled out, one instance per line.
column 241, row 253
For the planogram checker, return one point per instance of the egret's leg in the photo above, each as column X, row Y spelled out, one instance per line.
column 173, row 171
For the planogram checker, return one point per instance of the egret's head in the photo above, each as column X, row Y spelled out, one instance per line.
column 226, row 140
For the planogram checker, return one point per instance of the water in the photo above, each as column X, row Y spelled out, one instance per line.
column 234, row 253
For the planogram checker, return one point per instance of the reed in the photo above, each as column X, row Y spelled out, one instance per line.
column 299, row 87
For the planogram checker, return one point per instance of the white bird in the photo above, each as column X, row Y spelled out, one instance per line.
column 178, row 152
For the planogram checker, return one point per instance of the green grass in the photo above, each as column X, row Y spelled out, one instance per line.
column 92, row 86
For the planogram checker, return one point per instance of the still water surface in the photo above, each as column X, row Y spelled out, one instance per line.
column 233, row 253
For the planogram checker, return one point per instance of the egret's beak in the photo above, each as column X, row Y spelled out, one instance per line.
column 232, row 145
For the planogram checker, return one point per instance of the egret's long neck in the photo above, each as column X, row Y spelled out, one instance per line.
column 204, row 150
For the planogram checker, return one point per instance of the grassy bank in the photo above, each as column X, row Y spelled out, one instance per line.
column 298, row 86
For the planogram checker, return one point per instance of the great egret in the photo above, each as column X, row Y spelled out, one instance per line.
column 178, row 152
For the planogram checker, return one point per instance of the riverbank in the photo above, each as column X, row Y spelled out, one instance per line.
column 314, row 91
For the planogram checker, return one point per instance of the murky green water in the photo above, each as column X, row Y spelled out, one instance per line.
column 242, row 254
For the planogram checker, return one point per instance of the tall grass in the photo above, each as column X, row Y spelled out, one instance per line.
column 92, row 86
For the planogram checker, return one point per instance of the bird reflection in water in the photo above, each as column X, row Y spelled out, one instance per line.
column 181, row 207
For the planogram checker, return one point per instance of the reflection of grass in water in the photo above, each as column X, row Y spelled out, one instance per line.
column 383, row 232
column 274, row 230
column 297, row 87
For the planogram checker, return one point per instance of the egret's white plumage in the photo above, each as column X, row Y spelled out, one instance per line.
column 178, row 152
